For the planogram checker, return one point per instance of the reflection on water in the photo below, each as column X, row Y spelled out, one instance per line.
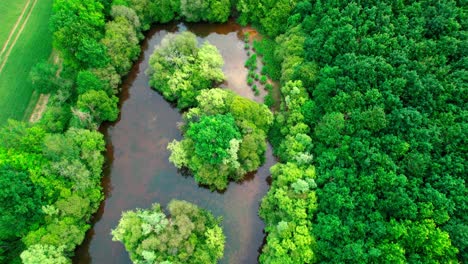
column 138, row 172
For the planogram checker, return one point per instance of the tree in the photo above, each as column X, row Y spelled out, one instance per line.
column 224, row 138
column 194, row 10
column 21, row 203
column 218, row 11
column 99, row 105
column 77, row 26
column 121, row 42
column 86, row 81
column 43, row 76
column 210, row 62
column 211, row 137
column 166, row 10
column 328, row 130
column 179, row 69
column 45, row 254
column 190, row 235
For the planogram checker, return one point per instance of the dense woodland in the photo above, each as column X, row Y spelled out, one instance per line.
column 371, row 133
column 385, row 119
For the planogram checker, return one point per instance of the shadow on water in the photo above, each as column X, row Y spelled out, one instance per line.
column 138, row 173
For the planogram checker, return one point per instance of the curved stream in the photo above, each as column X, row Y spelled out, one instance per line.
column 138, row 172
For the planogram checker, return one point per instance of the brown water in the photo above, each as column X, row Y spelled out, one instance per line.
column 138, row 172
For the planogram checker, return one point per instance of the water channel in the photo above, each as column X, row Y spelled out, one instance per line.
column 138, row 172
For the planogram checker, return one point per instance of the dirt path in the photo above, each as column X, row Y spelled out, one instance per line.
column 14, row 27
column 40, row 108
column 7, row 55
column 41, row 104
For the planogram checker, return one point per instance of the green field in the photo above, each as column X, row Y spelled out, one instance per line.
column 10, row 10
column 33, row 44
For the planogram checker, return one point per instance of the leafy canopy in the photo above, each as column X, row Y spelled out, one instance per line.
column 212, row 136
column 189, row 235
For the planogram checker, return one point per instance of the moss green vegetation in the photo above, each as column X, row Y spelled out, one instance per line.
column 188, row 234
column 224, row 138
column 34, row 44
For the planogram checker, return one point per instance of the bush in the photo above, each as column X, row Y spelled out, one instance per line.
column 247, row 37
column 251, row 62
column 250, row 81
column 268, row 100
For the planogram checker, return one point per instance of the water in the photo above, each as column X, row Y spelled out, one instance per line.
column 138, row 172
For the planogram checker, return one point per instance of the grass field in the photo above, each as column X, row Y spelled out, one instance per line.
column 11, row 11
column 30, row 43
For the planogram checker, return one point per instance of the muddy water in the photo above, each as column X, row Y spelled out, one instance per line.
column 138, row 172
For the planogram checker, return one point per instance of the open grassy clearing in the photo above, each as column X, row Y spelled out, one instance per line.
column 30, row 43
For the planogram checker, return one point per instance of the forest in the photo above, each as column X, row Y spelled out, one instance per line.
column 370, row 134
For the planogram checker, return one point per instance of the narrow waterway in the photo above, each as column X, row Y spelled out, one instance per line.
column 138, row 172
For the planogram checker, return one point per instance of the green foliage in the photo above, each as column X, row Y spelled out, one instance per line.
column 43, row 76
column 121, row 41
column 52, row 185
column 99, row 105
column 211, row 137
column 251, row 62
column 250, row 81
column 208, row 10
column 46, row 254
column 272, row 63
column 86, row 81
column 179, row 69
column 77, row 27
column 21, row 209
column 225, row 138
column 286, row 210
column 166, row 10
column 271, row 16
column 109, row 77
column 263, row 79
column 268, row 100
column 190, row 235
column 145, row 10
column 218, row 11
column 390, row 173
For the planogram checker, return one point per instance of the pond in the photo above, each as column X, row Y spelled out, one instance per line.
column 138, row 172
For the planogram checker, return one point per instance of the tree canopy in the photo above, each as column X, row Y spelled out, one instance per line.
column 224, row 138
column 179, row 68
column 380, row 114
column 188, row 235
